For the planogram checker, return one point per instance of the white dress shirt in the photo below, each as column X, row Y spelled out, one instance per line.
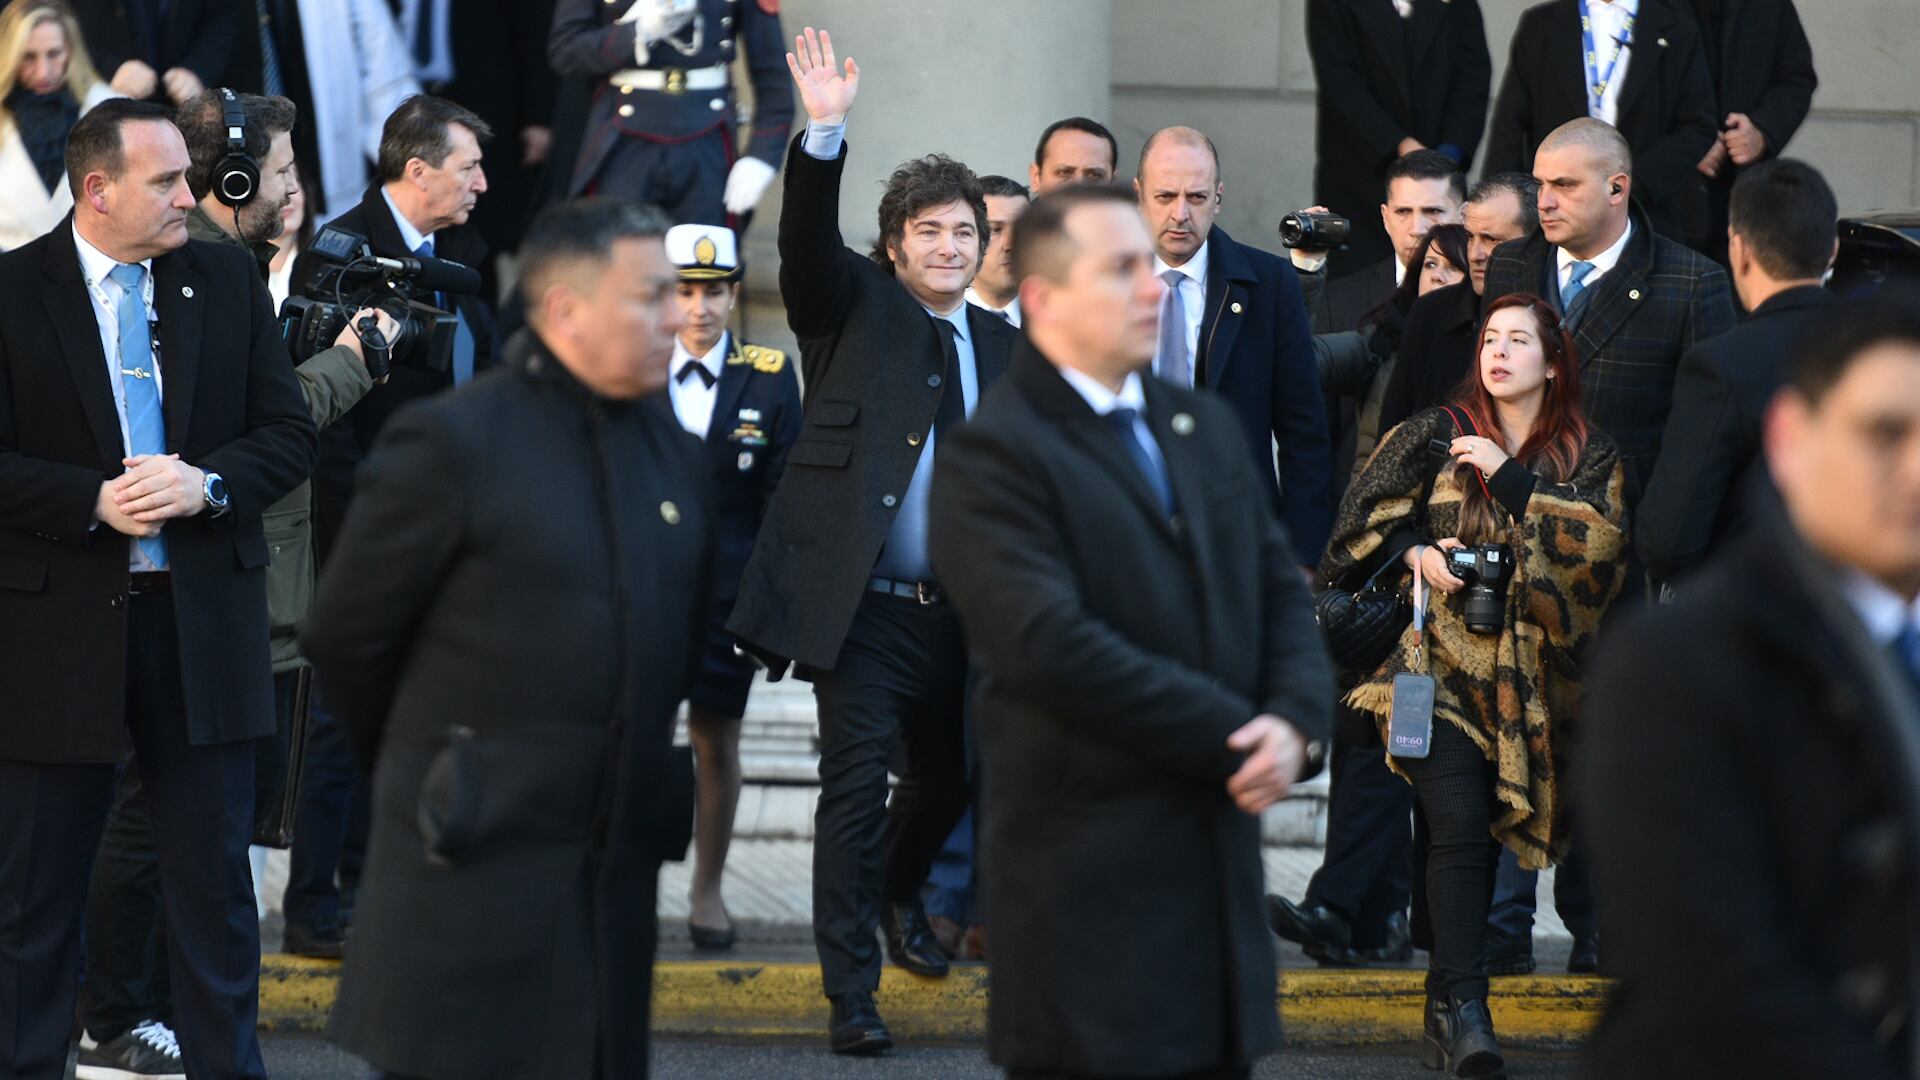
column 105, row 293
column 692, row 398
column 1602, row 262
column 409, row 235
column 1404, row 7
column 1193, row 300
column 1609, row 26
column 1103, row 401
column 1011, row 312
column 1879, row 607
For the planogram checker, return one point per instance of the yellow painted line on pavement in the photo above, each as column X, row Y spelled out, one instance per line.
column 746, row 1000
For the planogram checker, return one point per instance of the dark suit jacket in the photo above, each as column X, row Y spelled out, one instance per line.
column 1256, row 351
column 500, row 71
column 197, row 35
column 344, row 445
column 505, row 633
column 1382, row 79
column 1437, row 350
column 871, row 360
column 232, row 406
column 1701, row 493
column 1761, row 65
column 1346, row 301
column 1119, row 648
column 1666, row 105
column 1749, row 773
column 1660, row 300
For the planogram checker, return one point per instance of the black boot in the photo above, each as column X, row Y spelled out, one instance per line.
column 910, row 940
column 854, row 1026
column 1460, row 1039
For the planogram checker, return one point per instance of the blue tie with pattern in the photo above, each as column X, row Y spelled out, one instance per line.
column 146, row 423
column 463, row 347
column 1576, row 285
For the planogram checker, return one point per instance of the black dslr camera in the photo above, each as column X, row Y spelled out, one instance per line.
column 1486, row 568
column 1314, row 232
column 350, row 277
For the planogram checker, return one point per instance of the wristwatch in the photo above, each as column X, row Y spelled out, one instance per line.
column 214, row 490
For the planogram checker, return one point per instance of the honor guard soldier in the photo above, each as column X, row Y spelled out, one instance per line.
column 661, row 126
column 743, row 401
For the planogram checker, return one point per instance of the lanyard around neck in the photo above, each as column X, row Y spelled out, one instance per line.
column 1597, row 80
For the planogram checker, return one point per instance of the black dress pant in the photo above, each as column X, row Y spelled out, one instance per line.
column 902, row 668
column 201, row 803
column 1366, row 873
column 1454, row 785
column 329, row 826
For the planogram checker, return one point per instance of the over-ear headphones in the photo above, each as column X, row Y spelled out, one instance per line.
column 237, row 178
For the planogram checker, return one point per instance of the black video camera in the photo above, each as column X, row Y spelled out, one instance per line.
column 350, row 277
column 1314, row 232
column 1486, row 568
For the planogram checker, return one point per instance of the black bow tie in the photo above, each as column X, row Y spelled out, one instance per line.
column 695, row 367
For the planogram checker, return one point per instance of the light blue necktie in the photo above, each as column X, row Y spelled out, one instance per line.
column 146, row 424
column 463, row 348
column 1170, row 360
column 1155, row 473
column 1576, row 284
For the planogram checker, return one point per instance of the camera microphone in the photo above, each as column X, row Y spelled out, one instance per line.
column 436, row 275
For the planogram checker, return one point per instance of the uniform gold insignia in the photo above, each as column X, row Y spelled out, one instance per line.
column 705, row 252
column 765, row 361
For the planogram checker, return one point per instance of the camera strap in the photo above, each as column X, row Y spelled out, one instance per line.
column 1462, row 420
column 1420, row 611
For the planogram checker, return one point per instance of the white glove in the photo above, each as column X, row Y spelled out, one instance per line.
column 746, row 183
column 658, row 18
column 1309, row 261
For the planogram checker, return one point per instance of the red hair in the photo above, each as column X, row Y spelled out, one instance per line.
column 1559, row 436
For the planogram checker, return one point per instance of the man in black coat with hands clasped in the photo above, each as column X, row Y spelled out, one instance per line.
column 893, row 359
column 1152, row 677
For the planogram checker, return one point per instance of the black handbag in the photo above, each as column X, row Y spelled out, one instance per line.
column 1361, row 626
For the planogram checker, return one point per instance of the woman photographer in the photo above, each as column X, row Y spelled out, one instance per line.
column 46, row 85
column 1530, row 496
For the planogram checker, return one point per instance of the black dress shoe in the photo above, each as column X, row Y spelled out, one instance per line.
column 706, row 937
column 1585, row 957
column 911, row 942
column 1509, row 955
column 1323, row 932
column 855, row 1026
column 327, row 941
column 1460, row 1040
column 1398, row 948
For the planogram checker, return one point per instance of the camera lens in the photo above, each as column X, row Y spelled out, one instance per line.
column 1482, row 611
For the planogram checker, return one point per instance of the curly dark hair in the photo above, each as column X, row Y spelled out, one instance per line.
column 917, row 185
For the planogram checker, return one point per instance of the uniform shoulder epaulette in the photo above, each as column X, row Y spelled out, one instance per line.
column 764, row 360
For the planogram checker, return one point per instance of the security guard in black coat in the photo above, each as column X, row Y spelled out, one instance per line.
column 743, row 401
column 661, row 125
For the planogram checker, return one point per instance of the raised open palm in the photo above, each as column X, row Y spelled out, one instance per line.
column 826, row 93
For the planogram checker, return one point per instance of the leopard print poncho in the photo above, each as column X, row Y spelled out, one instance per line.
column 1515, row 693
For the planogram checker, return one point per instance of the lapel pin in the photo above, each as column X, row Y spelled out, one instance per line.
column 746, row 460
column 186, row 291
column 1662, row 43
column 1634, row 295
column 1236, row 309
column 669, row 513
column 1182, row 423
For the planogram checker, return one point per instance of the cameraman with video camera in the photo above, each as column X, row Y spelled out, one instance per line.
column 242, row 185
column 1509, row 504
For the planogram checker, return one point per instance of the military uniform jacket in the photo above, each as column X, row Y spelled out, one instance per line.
column 756, row 417
column 872, row 363
column 586, row 41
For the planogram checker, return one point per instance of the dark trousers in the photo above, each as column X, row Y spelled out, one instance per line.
column 1515, row 895
column 324, row 851
column 1366, row 873
column 903, row 667
column 685, row 179
column 200, row 799
column 952, row 881
column 1224, row 1072
column 1454, row 785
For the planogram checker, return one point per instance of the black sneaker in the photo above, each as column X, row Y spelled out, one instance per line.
column 148, row 1052
column 326, row 941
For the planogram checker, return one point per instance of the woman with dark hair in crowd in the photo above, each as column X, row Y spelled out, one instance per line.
column 46, row 84
column 1536, row 495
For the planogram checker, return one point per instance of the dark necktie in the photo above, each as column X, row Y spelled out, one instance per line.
column 464, row 346
column 1906, row 653
column 1121, row 421
column 695, row 367
column 953, row 402
column 270, row 78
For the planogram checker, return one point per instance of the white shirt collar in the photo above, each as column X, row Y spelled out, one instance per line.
column 1602, row 262
column 1879, row 607
column 958, row 317
column 1195, row 268
column 1399, row 271
column 1102, row 400
column 98, row 264
column 712, row 361
column 1012, row 308
column 409, row 235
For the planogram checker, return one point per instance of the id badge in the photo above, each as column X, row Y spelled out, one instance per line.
column 1410, row 723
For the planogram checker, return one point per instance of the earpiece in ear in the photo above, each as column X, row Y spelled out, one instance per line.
column 1616, row 189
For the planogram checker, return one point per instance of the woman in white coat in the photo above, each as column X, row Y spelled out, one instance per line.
column 46, row 84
